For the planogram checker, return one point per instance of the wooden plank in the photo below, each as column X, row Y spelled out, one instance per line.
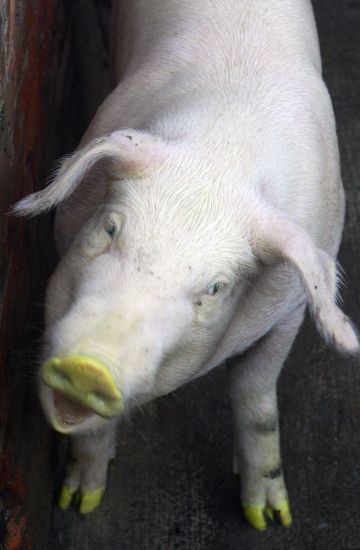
column 31, row 32
column 41, row 94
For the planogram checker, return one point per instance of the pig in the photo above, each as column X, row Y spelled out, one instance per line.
column 200, row 215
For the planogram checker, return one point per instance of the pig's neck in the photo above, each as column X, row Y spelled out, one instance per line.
column 182, row 56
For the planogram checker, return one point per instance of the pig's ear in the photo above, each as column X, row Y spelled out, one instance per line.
column 276, row 237
column 131, row 152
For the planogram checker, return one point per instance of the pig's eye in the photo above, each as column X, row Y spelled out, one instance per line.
column 110, row 229
column 214, row 289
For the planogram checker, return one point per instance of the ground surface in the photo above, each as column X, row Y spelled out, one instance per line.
column 171, row 486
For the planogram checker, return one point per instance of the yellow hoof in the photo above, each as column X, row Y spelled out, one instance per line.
column 255, row 516
column 284, row 513
column 90, row 500
column 66, row 496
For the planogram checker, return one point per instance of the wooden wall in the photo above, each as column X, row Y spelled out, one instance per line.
column 50, row 52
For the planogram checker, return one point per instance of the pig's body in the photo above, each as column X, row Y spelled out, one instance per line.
column 235, row 87
column 241, row 85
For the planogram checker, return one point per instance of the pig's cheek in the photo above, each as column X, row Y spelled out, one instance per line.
column 95, row 244
column 61, row 291
column 208, row 312
column 58, row 298
column 139, row 379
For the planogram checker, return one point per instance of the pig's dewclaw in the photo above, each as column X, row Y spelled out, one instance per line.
column 88, row 500
column 256, row 515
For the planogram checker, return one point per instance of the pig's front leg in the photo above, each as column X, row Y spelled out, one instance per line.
column 87, row 469
column 253, row 378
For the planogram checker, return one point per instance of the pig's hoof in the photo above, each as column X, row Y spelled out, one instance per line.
column 66, row 496
column 256, row 515
column 89, row 500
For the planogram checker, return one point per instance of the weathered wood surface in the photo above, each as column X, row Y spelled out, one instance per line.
column 40, row 118
column 31, row 36
column 171, row 487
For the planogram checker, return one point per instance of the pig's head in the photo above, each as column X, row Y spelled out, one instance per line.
column 144, row 294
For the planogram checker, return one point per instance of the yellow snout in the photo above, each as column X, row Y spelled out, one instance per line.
column 85, row 381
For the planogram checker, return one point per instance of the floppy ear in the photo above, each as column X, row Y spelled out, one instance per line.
column 132, row 151
column 274, row 236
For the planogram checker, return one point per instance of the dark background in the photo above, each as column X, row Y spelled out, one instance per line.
column 171, row 486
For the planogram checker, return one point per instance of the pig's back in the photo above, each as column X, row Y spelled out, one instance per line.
column 176, row 62
column 215, row 37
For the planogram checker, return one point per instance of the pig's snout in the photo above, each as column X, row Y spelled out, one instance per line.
column 85, row 381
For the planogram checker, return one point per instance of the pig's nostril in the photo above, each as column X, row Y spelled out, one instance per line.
column 54, row 377
column 97, row 401
column 103, row 404
column 99, row 397
column 61, row 376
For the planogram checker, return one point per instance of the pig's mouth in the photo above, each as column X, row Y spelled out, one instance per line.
column 68, row 412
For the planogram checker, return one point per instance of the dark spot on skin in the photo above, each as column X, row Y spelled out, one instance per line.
column 129, row 137
column 315, row 287
column 199, row 303
column 267, row 427
column 190, row 267
column 274, row 473
column 151, row 272
column 138, row 269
